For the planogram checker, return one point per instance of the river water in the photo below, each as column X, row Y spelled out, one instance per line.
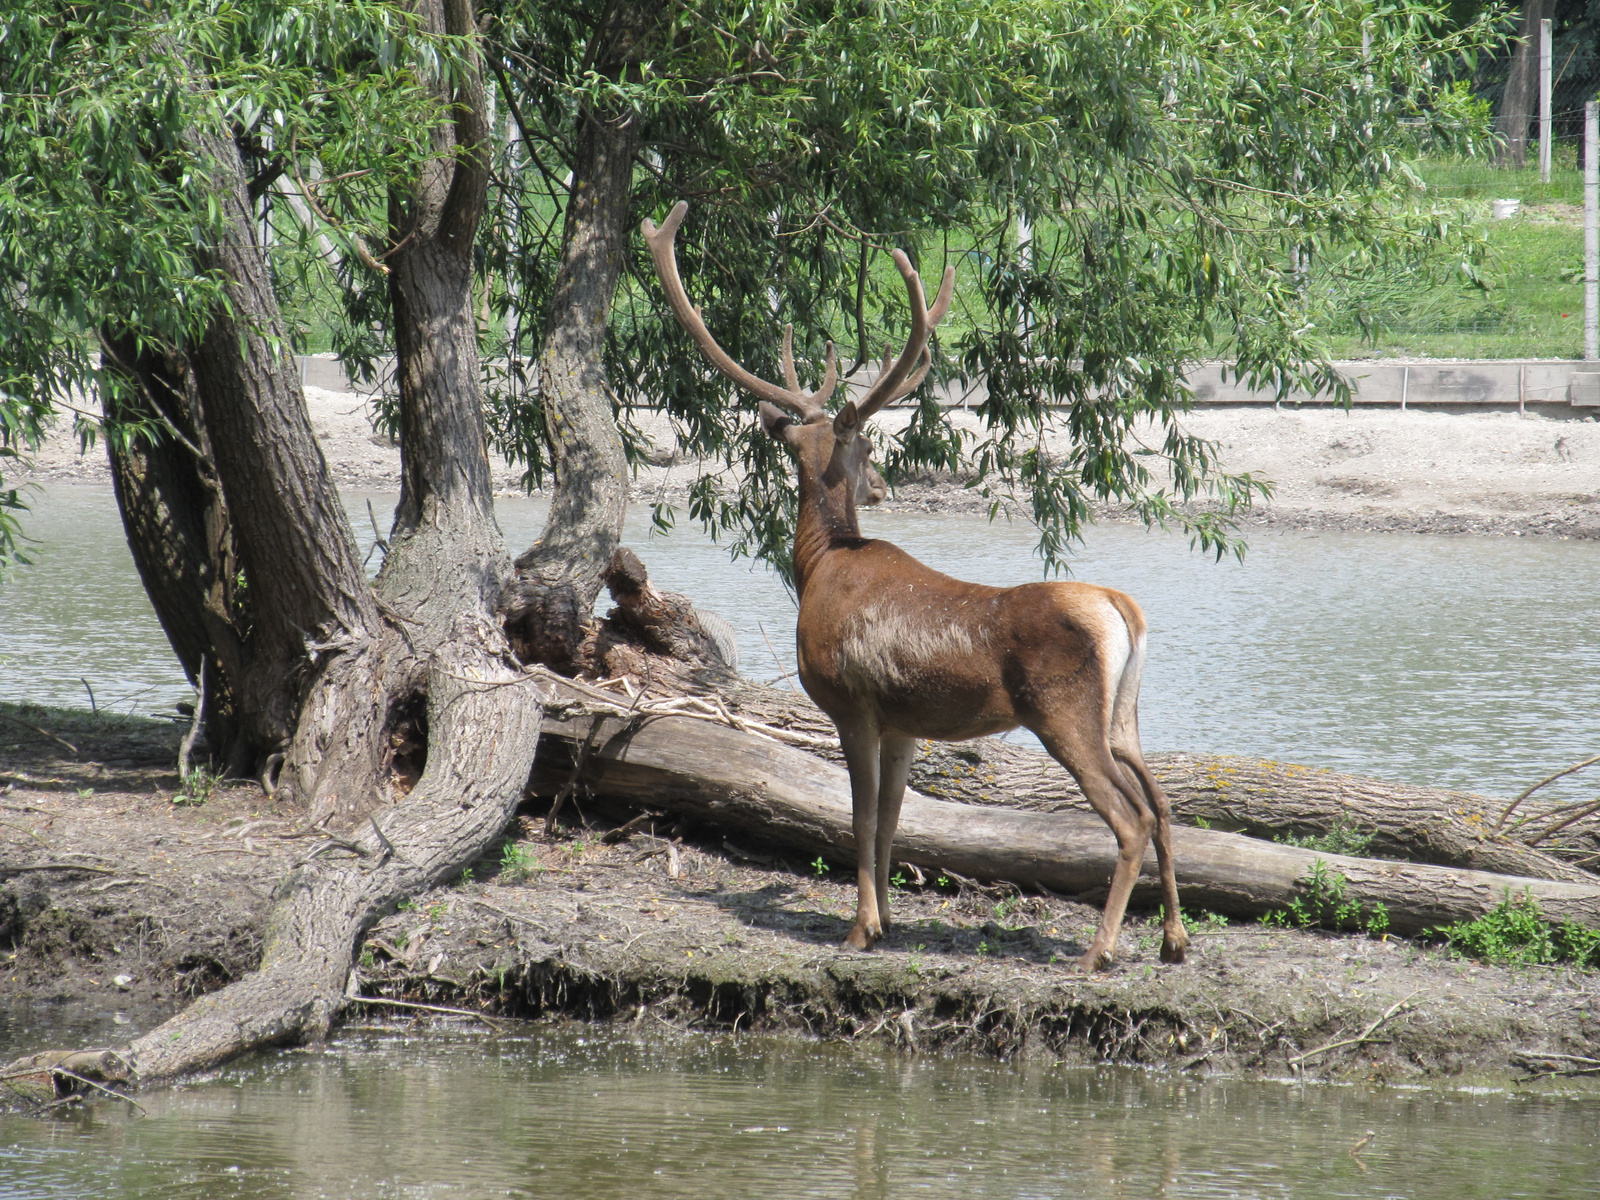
column 1467, row 662
column 575, row 1114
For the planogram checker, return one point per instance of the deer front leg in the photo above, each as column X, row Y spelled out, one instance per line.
column 895, row 754
column 861, row 756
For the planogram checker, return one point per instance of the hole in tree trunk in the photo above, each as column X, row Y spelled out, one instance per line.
column 408, row 743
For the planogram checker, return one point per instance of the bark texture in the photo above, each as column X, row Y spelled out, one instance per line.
column 743, row 781
column 559, row 577
column 446, row 509
column 484, row 715
column 316, row 630
column 446, row 557
column 1519, row 101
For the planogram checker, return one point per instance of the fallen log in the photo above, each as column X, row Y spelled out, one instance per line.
column 1235, row 794
column 706, row 769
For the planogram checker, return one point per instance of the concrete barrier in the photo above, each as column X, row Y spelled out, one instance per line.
column 1567, row 383
column 1491, row 384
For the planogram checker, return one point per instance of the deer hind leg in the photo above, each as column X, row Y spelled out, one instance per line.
column 1122, row 806
column 1174, row 937
column 1125, row 748
column 861, row 754
column 894, row 766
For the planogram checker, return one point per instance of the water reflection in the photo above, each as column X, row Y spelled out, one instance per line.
column 584, row 1113
column 1459, row 661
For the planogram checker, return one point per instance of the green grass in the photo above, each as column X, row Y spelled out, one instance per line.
column 1533, row 307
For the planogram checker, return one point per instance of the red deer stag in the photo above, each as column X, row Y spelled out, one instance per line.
column 894, row 651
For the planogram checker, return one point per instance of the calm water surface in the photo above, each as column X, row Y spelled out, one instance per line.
column 1462, row 661
column 575, row 1114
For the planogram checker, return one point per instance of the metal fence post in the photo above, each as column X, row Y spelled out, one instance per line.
column 1544, row 101
column 1591, row 231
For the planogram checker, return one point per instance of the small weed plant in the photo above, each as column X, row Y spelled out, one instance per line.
column 1516, row 931
column 197, row 788
column 1343, row 837
column 1198, row 920
column 1325, row 902
column 1005, row 910
column 517, row 865
column 819, row 868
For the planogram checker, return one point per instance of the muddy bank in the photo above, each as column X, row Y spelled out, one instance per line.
column 115, row 897
column 1533, row 475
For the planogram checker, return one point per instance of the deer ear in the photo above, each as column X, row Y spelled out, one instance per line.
column 774, row 420
column 847, row 421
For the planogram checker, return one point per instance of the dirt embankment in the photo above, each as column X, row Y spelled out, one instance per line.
column 113, row 896
column 1384, row 469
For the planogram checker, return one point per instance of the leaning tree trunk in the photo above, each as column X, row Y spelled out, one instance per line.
column 483, row 716
column 1522, row 86
column 316, row 632
column 559, row 577
column 178, row 530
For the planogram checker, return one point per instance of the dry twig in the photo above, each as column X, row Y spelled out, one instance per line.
column 491, row 1022
column 41, row 732
column 1399, row 1006
column 1562, row 774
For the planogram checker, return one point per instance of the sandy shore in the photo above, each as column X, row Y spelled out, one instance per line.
column 1419, row 471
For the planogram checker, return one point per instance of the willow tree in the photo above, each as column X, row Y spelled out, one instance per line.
column 1183, row 169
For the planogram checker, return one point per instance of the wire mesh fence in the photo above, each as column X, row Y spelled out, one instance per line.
column 1524, row 300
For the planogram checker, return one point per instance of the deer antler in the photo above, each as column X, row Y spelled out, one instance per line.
column 663, row 250
column 897, row 379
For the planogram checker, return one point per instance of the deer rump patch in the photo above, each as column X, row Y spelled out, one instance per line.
column 882, row 647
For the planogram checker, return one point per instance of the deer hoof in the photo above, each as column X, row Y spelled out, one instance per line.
column 1174, row 951
column 1093, row 961
column 861, row 938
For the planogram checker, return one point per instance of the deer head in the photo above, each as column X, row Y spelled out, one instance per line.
column 832, row 451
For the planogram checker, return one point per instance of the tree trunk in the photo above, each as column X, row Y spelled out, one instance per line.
column 316, row 632
column 1242, row 795
column 1519, row 100
column 178, row 531
column 445, row 518
column 559, row 577
column 439, row 588
column 1273, row 800
column 483, row 718
column 736, row 780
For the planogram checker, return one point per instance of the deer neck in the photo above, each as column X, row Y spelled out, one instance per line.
column 827, row 516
